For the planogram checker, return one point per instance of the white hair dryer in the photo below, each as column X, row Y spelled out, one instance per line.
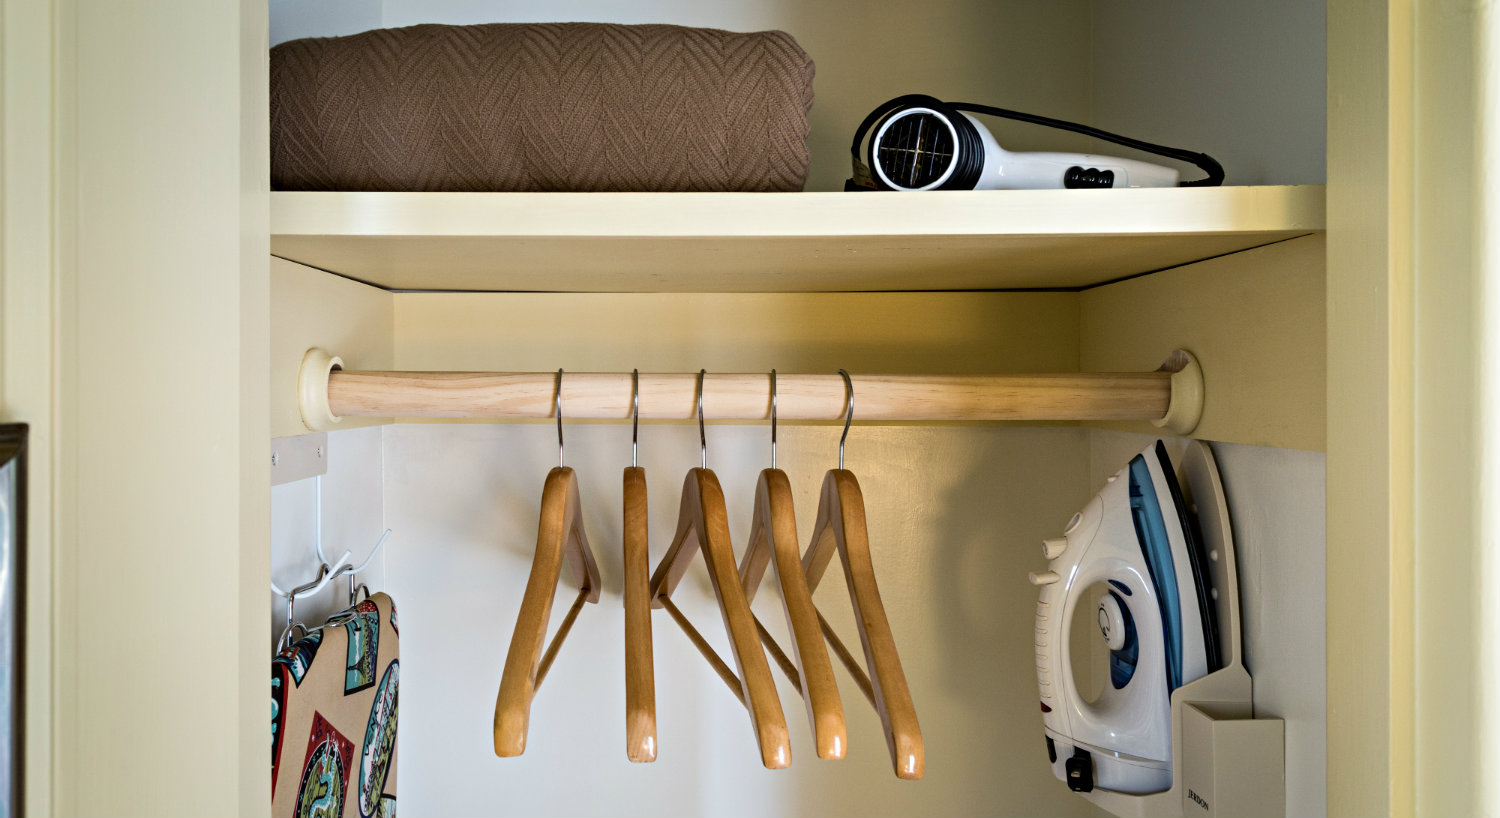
column 922, row 143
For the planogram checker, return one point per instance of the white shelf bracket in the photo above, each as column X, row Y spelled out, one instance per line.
column 298, row 457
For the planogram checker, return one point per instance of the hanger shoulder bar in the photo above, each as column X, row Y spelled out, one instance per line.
column 580, row 556
column 557, row 638
column 788, row 668
column 774, row 534
column 640, row 664
column 679, row 556
column 766, row 714
column 824, row 542
column 705, row 527
column 841, row 518
column 861, row 679
column 558, row 532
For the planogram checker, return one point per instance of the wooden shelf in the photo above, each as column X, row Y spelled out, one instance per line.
column 778, row 242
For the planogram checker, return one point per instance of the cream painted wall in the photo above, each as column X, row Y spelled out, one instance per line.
column 29, row 339
column 738, row 332
column 158, row 403
column 311, row 308
column 135, row 253
column 110, row 65
column 955, row 514
column 453, row 490
column 460, row 499
column 1255, row 321
column 1370, row 280
column 951, row 551
column 1482, row 550
column 470, row 489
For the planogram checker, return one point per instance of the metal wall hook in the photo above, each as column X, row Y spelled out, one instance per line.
column 353, row 570
column 557, row 402
column 773, row 418
column 848, row 416
column 702, row 436
column 635, row 413
column 326, row 573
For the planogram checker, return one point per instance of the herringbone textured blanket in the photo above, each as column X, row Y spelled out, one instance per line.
column 521, row 107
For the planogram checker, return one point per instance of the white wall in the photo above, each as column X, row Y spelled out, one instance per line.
column 353, row 520
column 955, row 514
column 294, row 19
column 1242, row 82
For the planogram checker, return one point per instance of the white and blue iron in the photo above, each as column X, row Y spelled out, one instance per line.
column 1137, row 542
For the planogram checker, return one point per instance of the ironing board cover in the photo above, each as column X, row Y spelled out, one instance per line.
column 333, row 717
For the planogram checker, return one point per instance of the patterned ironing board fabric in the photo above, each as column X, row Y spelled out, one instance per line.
column 333, row 716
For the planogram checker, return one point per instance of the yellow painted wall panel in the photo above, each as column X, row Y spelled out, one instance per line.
column 1255, row 321
column 254, row 542
column 162, row 511
column 310, row 308
column 752, row 332
column 29, row 315
column 1369, row 590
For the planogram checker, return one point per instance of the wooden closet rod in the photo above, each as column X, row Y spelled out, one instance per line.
column 328, row 392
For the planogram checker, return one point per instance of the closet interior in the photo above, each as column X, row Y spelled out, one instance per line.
column 947, row 310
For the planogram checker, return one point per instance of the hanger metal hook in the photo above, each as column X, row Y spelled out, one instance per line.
column 773, row 418
column 313, row 586
column 635, row 412
column 557, row 402
column 702, row 436
column 848, row 416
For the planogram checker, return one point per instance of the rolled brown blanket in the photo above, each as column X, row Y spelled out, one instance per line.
column 541, row 107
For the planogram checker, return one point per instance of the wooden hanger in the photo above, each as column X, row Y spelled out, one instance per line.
column 640, row 667
column 773, row 532
column 560, row 538
column 840, row 526
column 703, row 525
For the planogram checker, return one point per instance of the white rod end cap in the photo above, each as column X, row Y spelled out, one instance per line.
column 312, row 389
column 1185, row 407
